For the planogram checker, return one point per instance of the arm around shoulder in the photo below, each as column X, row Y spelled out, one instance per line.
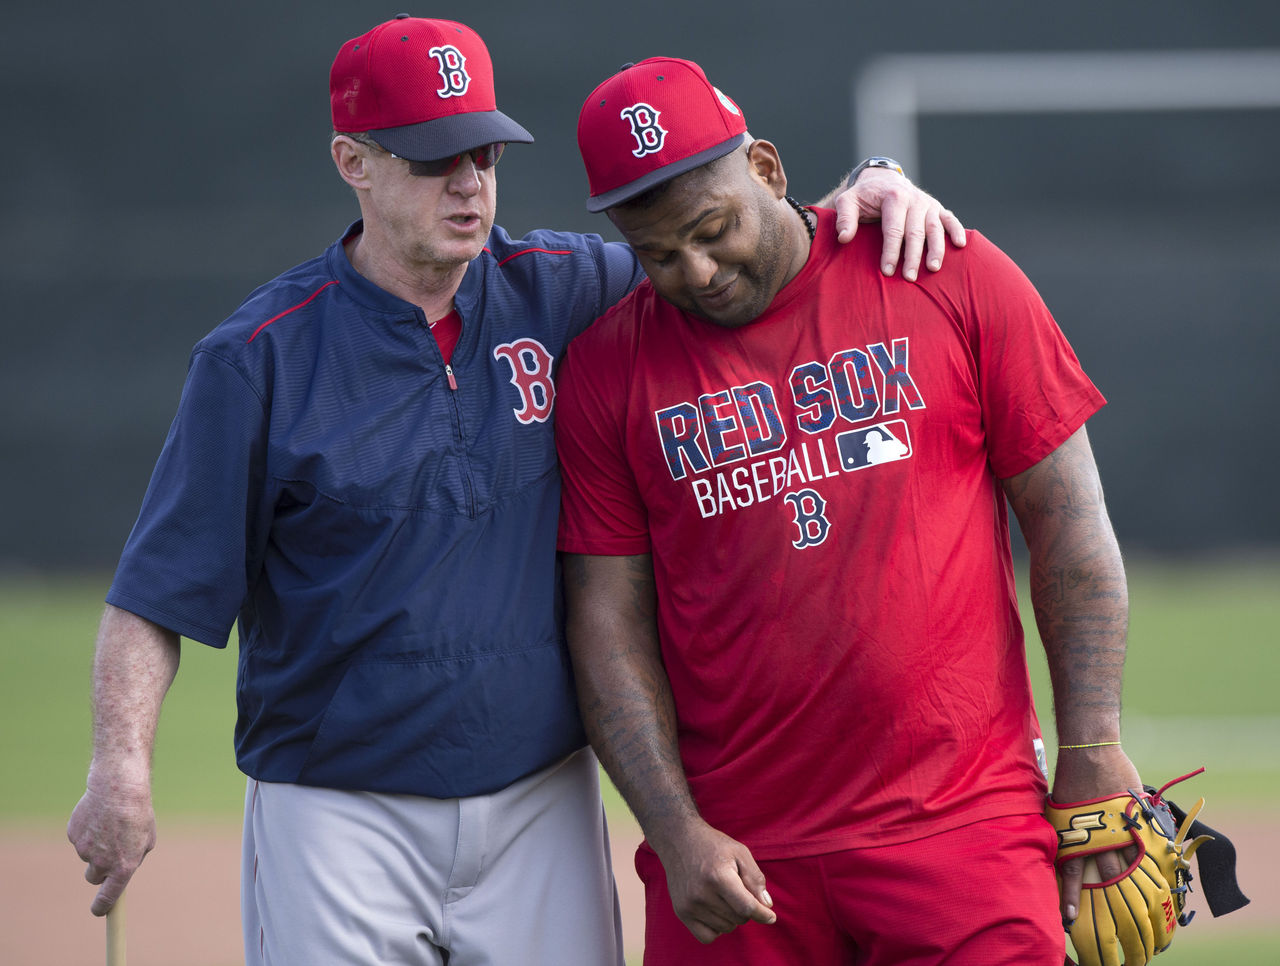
column 622, row 273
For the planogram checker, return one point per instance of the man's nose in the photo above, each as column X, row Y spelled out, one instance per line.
column 699, row 269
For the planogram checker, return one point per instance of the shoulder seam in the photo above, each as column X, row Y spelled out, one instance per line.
column 528, row 251
column 292, row 308
column 231, row 364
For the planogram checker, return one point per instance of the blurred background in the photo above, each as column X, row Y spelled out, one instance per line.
column 170, row 158
column 169, row 161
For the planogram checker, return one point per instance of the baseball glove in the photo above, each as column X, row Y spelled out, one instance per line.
column 1137, row 912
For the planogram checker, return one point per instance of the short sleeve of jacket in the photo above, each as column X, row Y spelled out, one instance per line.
column 601, row 509
column 1034, row 392
column 198, row 536
column 620, row 271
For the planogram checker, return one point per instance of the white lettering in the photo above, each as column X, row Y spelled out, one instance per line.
column 794, row 469
column 826, row 468
column 702, row 493
column 742, row 484
column 778, row 472
column 724, row 494
column 756, row 470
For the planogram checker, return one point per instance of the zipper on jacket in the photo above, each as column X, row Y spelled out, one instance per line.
column 468, row 484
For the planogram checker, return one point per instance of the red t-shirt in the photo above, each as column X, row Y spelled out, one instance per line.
column 820, row 493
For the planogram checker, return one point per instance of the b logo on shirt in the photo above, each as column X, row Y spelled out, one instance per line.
column 811, row 518
column 531, row 374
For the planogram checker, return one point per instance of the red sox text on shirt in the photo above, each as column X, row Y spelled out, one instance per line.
column 702, row 440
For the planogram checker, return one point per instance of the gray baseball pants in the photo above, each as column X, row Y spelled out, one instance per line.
column 521, row 877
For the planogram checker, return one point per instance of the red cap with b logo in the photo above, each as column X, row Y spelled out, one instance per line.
column 651, row 122
column 423, row 89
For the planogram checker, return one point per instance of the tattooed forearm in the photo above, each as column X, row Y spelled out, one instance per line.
column 1077, row 587
column 623, row 690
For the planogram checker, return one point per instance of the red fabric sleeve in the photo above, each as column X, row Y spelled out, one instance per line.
column 601, row 510
column 1034, row 392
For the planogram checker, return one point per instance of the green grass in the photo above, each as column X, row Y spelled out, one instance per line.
column 47, row 630
column 1200, row 677
column 1200, row 944
column 1200, row 689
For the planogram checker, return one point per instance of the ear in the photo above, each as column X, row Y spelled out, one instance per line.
column 762, row 156
column 352, row 161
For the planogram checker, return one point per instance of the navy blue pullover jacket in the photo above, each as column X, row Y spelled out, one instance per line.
column 382, row 526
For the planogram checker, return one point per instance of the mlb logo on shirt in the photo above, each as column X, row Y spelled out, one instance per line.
column 881, row 443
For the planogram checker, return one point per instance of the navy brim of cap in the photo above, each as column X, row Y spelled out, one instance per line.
column 668, row 171
column 446, row 136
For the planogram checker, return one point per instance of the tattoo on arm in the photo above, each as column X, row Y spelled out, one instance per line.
column 623, row 690
column 1077, row 584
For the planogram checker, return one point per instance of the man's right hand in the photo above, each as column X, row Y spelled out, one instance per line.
column 113, row 827
column 715, row 884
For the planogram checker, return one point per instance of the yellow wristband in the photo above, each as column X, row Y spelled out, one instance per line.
column 1096, row 744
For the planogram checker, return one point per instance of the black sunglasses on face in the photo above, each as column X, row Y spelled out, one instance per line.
column 483, row 157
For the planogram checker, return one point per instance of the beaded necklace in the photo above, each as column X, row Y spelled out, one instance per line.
column 804, row 216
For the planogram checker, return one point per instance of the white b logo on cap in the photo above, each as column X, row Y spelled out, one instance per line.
column 453, row 71
column 649, row 134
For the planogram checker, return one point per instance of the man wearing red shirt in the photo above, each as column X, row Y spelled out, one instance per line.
column 792, row 609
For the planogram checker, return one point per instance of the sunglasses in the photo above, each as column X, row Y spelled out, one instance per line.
column 483, row 157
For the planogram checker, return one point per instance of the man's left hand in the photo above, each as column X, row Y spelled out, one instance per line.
column 1085, row 775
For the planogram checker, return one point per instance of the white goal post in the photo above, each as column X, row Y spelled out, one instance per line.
column 893, row 92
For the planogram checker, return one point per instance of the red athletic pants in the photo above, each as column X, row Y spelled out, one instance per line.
column 980, row 895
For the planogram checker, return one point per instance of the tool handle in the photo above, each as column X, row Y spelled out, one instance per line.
column 115, row 934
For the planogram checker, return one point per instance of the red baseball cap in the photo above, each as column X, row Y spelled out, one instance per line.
column 651, row 122
column 423, row 89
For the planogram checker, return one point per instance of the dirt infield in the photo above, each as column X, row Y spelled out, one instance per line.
column 183, row 907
